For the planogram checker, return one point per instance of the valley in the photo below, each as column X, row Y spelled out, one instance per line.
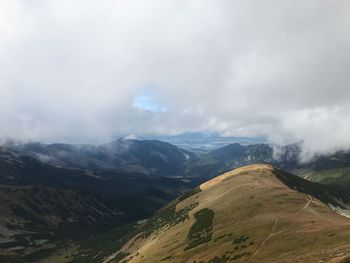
column 46, row 208
column 174, row 131
column 74, row 206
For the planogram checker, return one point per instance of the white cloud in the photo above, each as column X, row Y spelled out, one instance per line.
column 72, row 70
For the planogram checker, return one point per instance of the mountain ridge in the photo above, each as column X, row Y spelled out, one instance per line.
column 246, row 215
column 150, row 157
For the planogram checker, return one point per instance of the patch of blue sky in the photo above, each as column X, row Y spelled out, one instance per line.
column 147, row 101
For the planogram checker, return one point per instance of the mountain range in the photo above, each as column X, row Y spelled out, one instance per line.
column 85, row 202
column 205, row 142
column 154, row 158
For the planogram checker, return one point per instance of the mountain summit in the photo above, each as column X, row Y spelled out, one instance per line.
column 256, row 213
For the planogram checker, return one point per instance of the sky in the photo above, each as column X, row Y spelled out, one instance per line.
column 85, row 71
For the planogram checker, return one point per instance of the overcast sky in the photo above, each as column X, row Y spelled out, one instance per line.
column 84, row 71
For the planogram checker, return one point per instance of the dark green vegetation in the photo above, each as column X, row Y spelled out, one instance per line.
column 165, row 218
column 222, row 259
column 228, row 258
column 200, row 231
column 241, row 244
column 103, row 245
column 120, row 256
column 345, row 260
column 222, row 236
column 166, row 258
column 241, row 239
column 190, row 193
column 45, row 208
column 99, row 246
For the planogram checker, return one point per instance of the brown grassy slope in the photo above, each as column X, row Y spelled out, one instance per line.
column 257, row 218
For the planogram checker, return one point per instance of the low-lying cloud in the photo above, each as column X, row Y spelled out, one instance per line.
column 72, row 70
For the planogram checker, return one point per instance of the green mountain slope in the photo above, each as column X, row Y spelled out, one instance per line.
column 45, row 208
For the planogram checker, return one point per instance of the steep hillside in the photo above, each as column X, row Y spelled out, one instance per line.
column 35, row 221
column 256, row 213
column 339, row 177
column 44, row 208
column 149, row 157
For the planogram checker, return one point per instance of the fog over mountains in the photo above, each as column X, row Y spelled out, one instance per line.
column 239, row 68
column 200, row 131
column 74, row 203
